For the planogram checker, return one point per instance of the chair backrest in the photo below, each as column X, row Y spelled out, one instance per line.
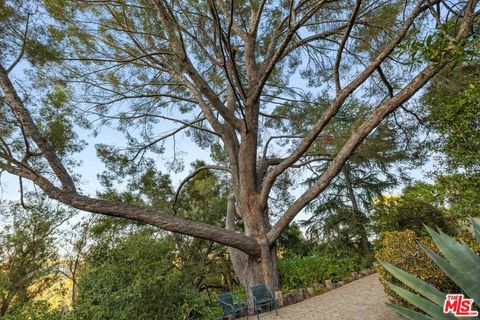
column 260, row 292
column 225, row 299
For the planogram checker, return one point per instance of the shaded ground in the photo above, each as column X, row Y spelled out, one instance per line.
column 358, row 300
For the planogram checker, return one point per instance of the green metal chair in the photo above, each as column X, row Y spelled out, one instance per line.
column 262, row 297
column 231, row 308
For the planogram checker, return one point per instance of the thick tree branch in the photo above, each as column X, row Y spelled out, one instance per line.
column 140, row 214
column 32, row 131
column 287, row 136
column 270, row 63
column 255, row 17
column 346, row 151
column 229, row 63
column 333, row 108
column 338, row 59
column 178, row 48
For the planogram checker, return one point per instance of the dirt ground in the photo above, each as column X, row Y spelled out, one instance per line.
column 363, row 299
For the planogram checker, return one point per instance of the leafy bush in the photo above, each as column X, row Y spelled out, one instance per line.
column 402, row 249
column 414, row 209
column 302, row 272
column 137, row 279
column 33, row 310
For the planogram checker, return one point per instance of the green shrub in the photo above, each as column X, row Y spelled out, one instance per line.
column 301, row 272
column 239, row 291
column 402, row 249
column 137, row 279
column 412, row 211
column 34, row 310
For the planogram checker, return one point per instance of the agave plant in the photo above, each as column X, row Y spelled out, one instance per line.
column 459, row 262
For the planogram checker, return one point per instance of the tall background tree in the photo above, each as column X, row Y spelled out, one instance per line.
column 452, row 113
column 28, row 256
column 339, row 216
column 219, row 71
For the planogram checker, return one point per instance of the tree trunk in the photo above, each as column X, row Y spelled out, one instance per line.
column 3, row 308
column 359, row 216
column 251, row 271
column 254, row 270
column 7, row 301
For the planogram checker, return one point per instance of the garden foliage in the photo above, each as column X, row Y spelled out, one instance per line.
column 302, row 272
column 416, row 207
column 138, row 278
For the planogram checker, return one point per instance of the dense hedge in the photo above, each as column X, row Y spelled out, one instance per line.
column 302, row 272
column 34, row 310
column 137, row 279
column 401, row 249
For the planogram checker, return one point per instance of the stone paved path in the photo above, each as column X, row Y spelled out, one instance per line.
column 363, row 299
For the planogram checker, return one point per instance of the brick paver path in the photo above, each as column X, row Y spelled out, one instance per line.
column 363, row 299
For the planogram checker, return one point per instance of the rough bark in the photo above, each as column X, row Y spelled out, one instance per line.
column 249, row 270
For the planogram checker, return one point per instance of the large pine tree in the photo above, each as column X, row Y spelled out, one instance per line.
column 217, row 70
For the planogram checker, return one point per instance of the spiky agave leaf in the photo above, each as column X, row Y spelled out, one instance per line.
column 428, row 307
column 428, row 291
column 408, row 313
column 461, row 264
column 476, row 227
column 466, row 279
